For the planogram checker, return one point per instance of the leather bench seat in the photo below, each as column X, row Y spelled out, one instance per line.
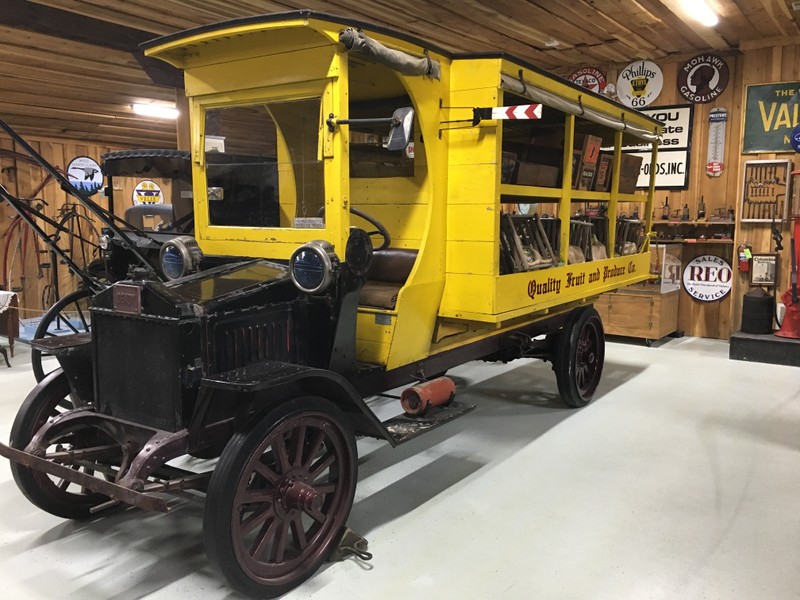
column 387, row 273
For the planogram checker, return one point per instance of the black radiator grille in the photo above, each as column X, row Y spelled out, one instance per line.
column 252, row 339
column 138, row 369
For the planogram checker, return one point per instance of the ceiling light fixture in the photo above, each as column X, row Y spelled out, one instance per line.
column 701, row 12
column 158, row 111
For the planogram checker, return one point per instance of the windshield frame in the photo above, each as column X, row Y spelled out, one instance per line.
column 275, row 242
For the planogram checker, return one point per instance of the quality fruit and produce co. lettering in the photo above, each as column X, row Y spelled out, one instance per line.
column 571, row 280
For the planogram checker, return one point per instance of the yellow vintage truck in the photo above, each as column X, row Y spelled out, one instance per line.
column 369, row 211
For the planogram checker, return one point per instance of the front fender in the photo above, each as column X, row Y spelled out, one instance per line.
column 268, row 383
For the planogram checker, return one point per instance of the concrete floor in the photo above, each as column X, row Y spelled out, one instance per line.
column 681, row 480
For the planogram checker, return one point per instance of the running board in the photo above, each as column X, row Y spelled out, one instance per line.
column 404, row 427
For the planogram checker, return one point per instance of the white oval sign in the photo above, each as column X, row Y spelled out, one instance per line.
column 640, row 83
column 147, row 192
column 708, row 278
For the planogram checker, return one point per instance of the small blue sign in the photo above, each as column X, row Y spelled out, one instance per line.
column 794, row 140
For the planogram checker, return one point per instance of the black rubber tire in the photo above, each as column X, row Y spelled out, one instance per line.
column 42, row 403
column 227, row 550
column 44, row 324
column 579, row 357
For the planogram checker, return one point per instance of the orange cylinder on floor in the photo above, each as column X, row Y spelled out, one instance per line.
column 417, row 399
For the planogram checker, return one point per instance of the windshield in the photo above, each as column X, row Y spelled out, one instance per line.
column 262, row 164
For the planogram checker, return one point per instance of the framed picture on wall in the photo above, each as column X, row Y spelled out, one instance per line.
column 764, row 270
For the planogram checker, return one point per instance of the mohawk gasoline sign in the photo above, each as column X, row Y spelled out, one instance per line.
column 771, row 112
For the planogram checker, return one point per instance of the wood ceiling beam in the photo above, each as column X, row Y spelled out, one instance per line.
column 67, row 25
column 63, row 24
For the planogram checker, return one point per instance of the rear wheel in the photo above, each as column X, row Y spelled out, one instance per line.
column 280, row 496
column 579, row 357
column 57, row 496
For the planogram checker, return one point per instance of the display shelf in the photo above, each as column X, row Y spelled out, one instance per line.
column 555, row 194
column 676, row 223
column 689, row 241
column 529, row 191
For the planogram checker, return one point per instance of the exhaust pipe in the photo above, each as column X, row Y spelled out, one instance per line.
column 418, row 399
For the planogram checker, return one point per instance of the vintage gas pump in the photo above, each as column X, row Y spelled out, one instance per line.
column 790, row 327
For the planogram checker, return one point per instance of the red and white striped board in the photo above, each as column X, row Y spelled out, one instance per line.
column 522, row 111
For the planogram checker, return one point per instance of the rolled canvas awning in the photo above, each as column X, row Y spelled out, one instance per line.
column 355, row 40
column 537, row 94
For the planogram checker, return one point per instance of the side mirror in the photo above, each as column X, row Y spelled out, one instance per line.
column 400, row 132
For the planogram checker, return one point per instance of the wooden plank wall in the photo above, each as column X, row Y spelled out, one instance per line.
column 34, row 285
column 750, row 66
column 765, row 65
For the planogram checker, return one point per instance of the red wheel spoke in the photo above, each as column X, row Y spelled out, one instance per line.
column 281, row 456
column 266, row 472
column 299, row 532
column 257, row 497
column 279, row 548
column 314, row 448
column 299, row 442
column 320, row 466
column 256, row 519
column 317, row 515
column 263, row 538
column 325, row 488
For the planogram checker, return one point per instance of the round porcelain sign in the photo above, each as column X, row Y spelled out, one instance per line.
column 708, row 278
column 703, row 78
column 590, row 78
column 147, row 192
column 84, row 173
column 640, row 83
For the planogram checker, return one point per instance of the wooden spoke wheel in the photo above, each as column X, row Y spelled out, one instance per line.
column 68, row 315
column 579, row 357
column 280, row 496
column 50, row 493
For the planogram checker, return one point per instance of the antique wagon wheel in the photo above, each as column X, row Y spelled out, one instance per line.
column 579, row 357
column 79, row 239
column 56, row 496
column 279, row 497
column 68, row 315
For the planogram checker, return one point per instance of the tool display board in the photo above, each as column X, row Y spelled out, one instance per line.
column 766, row 190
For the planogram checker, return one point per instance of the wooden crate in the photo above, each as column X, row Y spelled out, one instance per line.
column 640, row 314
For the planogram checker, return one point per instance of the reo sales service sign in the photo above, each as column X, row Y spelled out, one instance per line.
column 707, row 278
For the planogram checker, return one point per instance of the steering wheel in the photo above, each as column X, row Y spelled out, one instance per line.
column 379, row 228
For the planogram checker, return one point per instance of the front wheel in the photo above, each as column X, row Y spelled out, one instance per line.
column 280, row 496
column 57, row 496
column 579, row 357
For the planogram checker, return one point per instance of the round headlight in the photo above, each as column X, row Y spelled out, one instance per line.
column 180, row 256
column 312, row 266
column 104, row 241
